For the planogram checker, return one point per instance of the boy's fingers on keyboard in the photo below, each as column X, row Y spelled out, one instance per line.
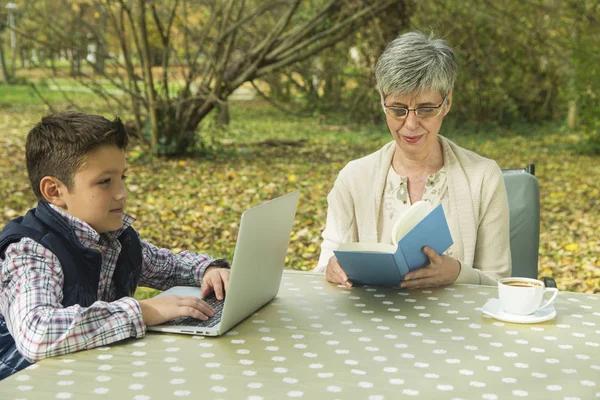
column 218, row 292
column 226, row 280
column 193, row 312
column 217, row 281
column 197, row 304
column 206, row 288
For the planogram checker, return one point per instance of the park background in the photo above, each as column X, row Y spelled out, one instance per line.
column 234, row 102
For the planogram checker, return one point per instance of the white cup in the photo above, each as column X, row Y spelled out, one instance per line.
column 523, row 296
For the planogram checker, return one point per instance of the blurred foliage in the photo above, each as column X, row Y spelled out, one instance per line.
column 519, row 61
column 195, row 203
column 340, row 82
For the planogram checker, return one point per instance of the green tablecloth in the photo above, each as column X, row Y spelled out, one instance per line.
column 320, row 341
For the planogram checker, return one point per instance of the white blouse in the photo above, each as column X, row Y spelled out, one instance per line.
column 396, row 200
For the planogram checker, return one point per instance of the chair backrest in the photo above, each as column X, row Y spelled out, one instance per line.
column 524, row 206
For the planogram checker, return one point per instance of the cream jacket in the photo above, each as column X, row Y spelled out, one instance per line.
column 475, row 204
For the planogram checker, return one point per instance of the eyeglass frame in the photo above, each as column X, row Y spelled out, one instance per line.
column 408, row 110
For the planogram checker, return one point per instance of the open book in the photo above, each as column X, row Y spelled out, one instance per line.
column 386, row 264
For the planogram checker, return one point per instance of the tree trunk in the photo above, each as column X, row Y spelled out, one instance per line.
column 13, row 60
column 5, row 74
column 572, row 116
column 24, row 57
column 75, row 62
column 148, row 79
column 223, row 114
column 276, row 87
column 573, row 89
column 101, row 50
column 53, row 56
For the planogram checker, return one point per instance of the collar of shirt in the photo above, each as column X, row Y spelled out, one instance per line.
column 86, row 234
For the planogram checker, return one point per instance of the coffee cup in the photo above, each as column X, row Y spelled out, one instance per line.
column 523, row 296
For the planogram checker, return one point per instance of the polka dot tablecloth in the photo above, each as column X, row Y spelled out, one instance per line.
column 320, row 341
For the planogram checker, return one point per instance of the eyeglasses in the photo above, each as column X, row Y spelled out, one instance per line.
column 421, row 112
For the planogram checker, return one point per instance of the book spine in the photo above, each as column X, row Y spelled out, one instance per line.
column 400, row 262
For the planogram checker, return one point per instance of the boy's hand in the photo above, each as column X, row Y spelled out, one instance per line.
column 215, row 279
column 160, row 309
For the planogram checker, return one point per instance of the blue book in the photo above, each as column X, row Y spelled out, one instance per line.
column 385, row 264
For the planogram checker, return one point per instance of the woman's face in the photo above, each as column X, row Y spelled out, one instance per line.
column 415, row 134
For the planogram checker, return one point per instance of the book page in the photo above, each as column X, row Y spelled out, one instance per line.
column 410, row 219
column 368, row 247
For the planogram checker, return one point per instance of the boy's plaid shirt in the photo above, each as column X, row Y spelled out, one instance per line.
column 31, row 283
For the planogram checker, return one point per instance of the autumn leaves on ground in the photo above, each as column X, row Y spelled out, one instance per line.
column 195, row 202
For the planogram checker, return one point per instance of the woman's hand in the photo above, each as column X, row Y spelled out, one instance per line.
column 215, row 279
column 442, row 270
column 160, row 309
column 335, row 273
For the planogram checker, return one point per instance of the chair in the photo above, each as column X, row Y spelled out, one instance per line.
column 524, row 206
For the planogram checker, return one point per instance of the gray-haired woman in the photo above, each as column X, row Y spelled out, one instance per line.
column 415, row 76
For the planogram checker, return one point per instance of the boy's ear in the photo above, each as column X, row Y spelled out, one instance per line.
column 52, row 189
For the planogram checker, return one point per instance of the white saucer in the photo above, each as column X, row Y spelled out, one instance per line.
column 494, row 310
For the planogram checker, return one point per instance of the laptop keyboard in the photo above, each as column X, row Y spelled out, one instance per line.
column 212, row 321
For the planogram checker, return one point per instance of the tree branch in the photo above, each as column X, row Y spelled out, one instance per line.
column 380, row 5
column 250, row 72
column 262, row 49
column 165, row 35
column 291, row 39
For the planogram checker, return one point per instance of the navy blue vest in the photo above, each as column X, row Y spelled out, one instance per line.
column 81, row 268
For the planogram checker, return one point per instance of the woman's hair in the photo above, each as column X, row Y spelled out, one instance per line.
column 414, row 62
column 58, row 145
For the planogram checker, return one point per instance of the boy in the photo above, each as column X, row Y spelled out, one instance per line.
column 70, row 266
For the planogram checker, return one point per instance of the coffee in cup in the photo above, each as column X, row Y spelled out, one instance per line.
column 523, row 296
column 522, row 283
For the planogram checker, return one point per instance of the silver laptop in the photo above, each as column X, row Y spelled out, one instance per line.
column 256, row 270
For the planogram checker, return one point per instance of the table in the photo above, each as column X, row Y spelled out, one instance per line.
column 320, row 341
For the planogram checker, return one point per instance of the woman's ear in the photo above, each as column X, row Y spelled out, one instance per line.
column 382, row 100
column 52, row 189
column 448, row 103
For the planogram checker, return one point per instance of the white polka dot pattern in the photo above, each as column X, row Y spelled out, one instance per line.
column 317, row 340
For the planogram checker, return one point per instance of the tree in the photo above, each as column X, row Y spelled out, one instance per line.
column 205, row 49
column 341, row 81
column 3, row 69
column 7, row 14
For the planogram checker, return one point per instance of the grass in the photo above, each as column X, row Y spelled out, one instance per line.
column 195, row 202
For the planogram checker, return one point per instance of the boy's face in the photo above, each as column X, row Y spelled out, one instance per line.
column 98, row 193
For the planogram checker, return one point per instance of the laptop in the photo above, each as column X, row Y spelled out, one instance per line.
column 256, row 269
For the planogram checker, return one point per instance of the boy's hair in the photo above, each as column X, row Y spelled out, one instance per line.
column 57, row 146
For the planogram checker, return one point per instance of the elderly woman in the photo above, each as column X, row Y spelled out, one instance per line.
column 415, row 75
